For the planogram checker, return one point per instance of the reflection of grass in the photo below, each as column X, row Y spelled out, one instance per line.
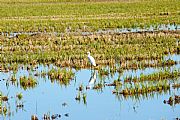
column 3, row 107
column 7, row 102
column 98, row 86
column 81, row 95
column 13, row 79
column 78, row 97
column 173, row 100
column 84, row 98
column 129, row 50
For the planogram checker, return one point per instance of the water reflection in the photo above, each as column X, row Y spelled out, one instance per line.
column 50, row 96
column 92, row 80
column 151, row 28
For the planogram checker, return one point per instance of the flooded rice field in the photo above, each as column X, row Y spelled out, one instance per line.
column 151, row 28
column 82, row 99
column 49, row 77
column 90, row 60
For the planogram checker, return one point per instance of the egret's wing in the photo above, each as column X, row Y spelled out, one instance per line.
column 92, row 60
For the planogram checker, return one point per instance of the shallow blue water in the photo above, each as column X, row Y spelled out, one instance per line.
column 151, row 28
column 47, row 98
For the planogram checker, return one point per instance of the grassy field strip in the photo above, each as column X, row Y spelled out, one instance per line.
column 89, row 8
column 99, row 17
column 58, row 15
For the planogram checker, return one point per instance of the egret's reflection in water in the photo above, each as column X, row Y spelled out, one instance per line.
column 92, row 80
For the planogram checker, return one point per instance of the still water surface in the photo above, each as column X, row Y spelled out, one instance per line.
column 48, row 97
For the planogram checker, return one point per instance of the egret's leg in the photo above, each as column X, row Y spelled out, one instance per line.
column 94, row 71
column 91, row 69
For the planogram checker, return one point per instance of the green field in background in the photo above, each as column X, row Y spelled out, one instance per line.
column 57, row 15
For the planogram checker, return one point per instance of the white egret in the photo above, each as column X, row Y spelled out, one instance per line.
column 91, row 59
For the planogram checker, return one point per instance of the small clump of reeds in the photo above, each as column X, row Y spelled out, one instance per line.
column 27, row 82
column 158, row 76
column 144, row 88
column 62, row 75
